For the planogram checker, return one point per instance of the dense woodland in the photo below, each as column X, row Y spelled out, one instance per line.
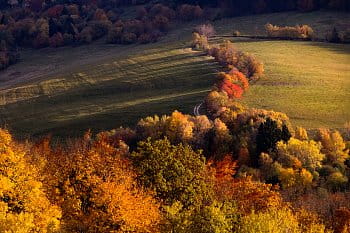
column 235, row 169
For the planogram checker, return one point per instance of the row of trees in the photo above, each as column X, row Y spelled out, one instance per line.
column 242, row 67
column 299, row 31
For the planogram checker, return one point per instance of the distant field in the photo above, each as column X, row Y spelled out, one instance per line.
column 69, row 90
column 308, row 81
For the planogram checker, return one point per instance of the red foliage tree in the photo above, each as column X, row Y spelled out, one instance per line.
column 232, row 90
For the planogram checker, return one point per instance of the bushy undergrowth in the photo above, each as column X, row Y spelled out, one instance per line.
column 299, row 31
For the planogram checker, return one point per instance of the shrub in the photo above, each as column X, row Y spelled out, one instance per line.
column 236, row 33
column 200, row 42
column 299, row 31
column 205, row 30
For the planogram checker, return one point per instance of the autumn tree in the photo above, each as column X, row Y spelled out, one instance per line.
column 95, row 186
column 269, row 134
column 24, row 206
column 175, row 173
column 333, row 146
column 307, row 152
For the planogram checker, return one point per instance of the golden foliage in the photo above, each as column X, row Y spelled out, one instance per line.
column 24, row 206
column 95, row 186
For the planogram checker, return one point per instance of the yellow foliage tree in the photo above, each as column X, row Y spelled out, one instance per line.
column 24, row 206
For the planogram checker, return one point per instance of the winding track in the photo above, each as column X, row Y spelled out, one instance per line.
column 196, row 109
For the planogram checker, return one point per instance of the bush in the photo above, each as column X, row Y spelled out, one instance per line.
column 200, row 42
column 205, row 30
column 299, row 31
column 236, row 33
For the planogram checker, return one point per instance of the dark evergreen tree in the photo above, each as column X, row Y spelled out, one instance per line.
column 268, row 135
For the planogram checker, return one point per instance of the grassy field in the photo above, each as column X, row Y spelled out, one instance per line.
column 308, row 81
column 68, row 90
column 115, row 92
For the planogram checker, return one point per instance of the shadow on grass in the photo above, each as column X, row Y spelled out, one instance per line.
column 337, row 48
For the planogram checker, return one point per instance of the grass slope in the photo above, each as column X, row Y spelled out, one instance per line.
column 110, row 93
column 68, row 90
column 308, row 81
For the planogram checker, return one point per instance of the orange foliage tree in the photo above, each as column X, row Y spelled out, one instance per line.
column 96, row 188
